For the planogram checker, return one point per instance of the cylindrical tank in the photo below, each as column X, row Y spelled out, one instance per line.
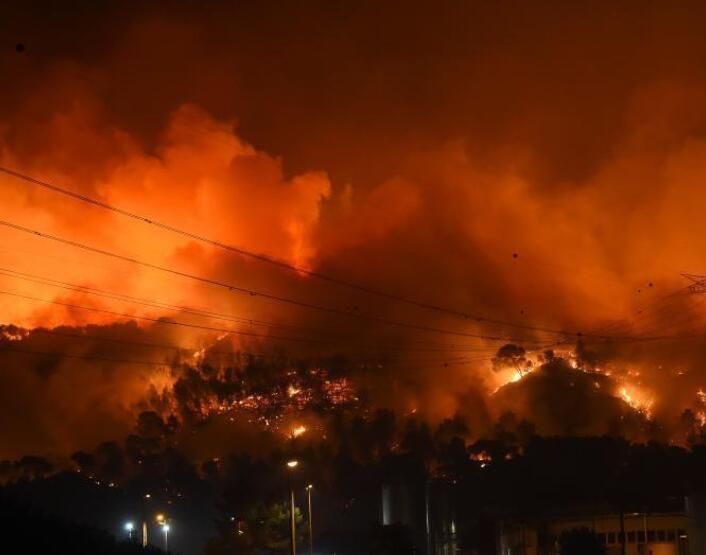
column 695, row 505
column 398, row 505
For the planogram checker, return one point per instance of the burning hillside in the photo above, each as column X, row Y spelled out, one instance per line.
column 235, row 244
column 564, row 401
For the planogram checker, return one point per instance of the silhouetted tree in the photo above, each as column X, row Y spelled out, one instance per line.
column 511, row 355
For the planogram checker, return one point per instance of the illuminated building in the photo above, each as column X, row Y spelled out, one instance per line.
column 643, row 533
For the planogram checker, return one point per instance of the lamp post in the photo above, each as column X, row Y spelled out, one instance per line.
column 129, row 526
column 162, row 521
column 166, row 528
column 291, row 465
column 311, row 525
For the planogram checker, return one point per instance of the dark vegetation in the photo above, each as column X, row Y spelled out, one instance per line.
column 29, row 530
column 238, row 502
column 514, row 474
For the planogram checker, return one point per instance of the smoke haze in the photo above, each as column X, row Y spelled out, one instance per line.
column 470, row 156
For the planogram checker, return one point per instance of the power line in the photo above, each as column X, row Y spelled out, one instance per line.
column 277, row 298
column 125, row 298
column 238, row 250
column 83, row 357
column 207, row 350
column 683, row 322
column 145, row 302
column 273, row 261
column 98, row 358
column 698, row 280
column 32, row 278
column 165, row 321
column 160, row 320
column 652, row 318
column 145, row 344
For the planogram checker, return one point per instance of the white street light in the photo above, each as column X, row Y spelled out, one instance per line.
column 129, row 526
column 166, row 529
column 311, row 525
column 292, row 464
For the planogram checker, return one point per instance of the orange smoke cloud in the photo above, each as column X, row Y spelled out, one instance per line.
column 497, row 179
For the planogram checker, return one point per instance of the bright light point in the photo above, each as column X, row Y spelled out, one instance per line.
column 129, row 526
column 160, row 518
column 293, row 391
column 637, row 400
column 147, row 496
column 310, row 486
column 299, row 430
column 292, row 464
column 165, row 528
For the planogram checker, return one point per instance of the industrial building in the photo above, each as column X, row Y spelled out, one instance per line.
column 641, row 533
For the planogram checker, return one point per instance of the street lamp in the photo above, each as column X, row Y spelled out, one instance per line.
column 129, row 527
column 292, row 464
column 311, row 525
column 162, row 521
column 165, row 528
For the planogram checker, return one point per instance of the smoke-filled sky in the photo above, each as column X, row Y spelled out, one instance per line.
column 538, row 163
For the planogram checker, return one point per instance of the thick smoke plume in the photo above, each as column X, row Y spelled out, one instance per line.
column 499, row 171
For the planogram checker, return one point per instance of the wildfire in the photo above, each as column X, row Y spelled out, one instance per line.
column 701, row 417
column 339, row 391
column 12, row 333
column 279, row 409
column 701, row 412
column 293, row 391
column 509, row 376
column 162, row 380
column 636, row 400
column 633, row 394
column 200, row 353
column 483, row 458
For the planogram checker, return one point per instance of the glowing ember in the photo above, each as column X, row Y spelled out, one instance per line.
column 483, row 458
column 298, row 431
column 509, row 376
column 293, row 391
column 12, row 333
column 701, row 418
column 637, row 401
